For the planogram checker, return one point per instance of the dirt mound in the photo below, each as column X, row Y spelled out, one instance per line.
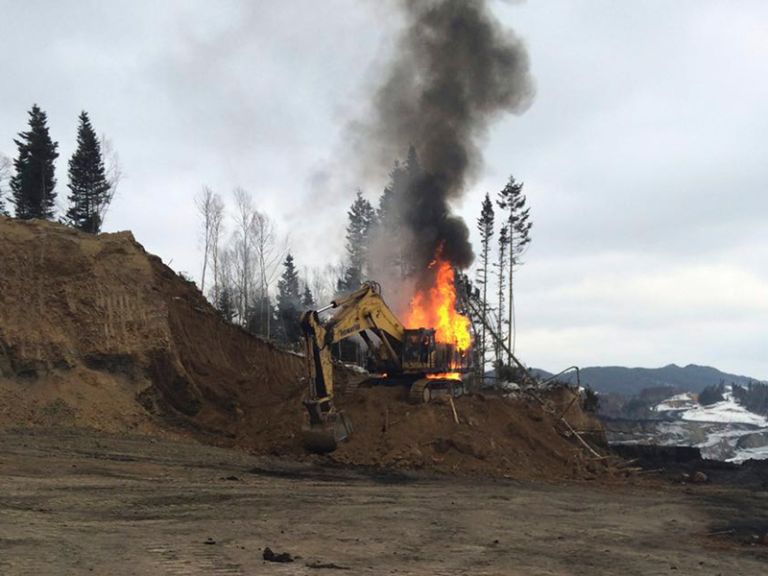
column 95, row 332
column 488, row 434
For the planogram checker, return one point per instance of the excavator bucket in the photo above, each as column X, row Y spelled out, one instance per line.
column 325, row 430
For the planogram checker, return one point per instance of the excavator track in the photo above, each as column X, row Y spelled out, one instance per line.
column 420, row 392
column 427, row 389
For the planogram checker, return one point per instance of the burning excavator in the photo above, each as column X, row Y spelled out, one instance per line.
column 430, row 358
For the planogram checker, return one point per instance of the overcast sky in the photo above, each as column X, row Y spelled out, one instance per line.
column 643, row 154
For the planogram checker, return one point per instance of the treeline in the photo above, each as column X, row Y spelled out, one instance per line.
column 245, row 263
column 30, row 179
column 245, row 260
column 753, row 396
column 248, row 272
column 514, row 237
column 639, row 407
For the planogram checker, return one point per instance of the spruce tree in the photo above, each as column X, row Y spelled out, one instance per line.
column 501, row 276
column 403, row 177
column 289, row 301
column 386, row 214
column 387, row 230
column 413, row 178
column 362, row 219
column 87, row 180
column 512, row 199
column 485, row 227
column 402, row 180
column 34, row 185
column 225, row 304
column 307, row 300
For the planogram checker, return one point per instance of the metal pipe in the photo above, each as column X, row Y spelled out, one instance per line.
column 578, row 376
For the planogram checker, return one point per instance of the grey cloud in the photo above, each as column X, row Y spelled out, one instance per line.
column 646, row 141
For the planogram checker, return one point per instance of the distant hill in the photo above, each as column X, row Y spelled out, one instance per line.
column 631, row 381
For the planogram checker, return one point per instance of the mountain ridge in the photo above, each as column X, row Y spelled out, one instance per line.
column 631, row 381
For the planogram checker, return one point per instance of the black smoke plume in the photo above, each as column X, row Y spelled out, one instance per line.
column 455, row 70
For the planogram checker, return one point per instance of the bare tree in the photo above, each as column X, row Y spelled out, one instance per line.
column 5, row 174
column 211, row 209
column 204, row 203
column 114, row 173
column 216, row 232
column 268, row 258
column 249, row 263
column 323, row 282
column 242, row 246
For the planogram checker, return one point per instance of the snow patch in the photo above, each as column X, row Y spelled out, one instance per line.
column 683, row 401
column 728, row 410
column 750, row 454
column 715, row 429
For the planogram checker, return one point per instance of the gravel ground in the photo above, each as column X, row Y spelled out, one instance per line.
column 90, row 503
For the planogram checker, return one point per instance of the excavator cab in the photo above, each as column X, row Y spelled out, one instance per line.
column 418, row 349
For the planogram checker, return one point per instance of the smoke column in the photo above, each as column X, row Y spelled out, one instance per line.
column 454, row 71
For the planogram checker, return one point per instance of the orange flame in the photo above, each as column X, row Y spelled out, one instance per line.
column 435, row 307
column 444, row 376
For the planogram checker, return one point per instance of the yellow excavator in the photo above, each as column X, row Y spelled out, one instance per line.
column 409, row 356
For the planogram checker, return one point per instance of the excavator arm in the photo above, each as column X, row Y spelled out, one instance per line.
column 365, row 311
column 326, row 426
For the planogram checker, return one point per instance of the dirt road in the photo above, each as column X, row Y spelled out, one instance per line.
column 81, row 503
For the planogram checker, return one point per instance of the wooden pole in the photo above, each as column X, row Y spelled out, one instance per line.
column 453, row 408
